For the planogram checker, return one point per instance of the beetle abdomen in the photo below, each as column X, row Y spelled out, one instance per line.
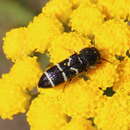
column 51, row 78
column 61, row 72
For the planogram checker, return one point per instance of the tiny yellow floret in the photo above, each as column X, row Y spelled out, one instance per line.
column 79, row 124
column 15, row 44
column 115, row 8
column 42, row 31
column 65, row 45
column 45, row 113
column 104, row 75
column 113, row 36
column 13, row 100
column 81, row 98
column 115, row 114
column 61, row 10
column 26, row 73
column 85, row 18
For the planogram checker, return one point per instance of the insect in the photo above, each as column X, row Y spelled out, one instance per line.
column 69, row 68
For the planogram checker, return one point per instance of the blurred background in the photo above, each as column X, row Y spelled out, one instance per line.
column 13, row 14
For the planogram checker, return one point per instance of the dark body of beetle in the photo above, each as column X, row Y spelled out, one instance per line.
column 69, row 68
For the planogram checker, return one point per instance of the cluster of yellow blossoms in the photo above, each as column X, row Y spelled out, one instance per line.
column 100, row 103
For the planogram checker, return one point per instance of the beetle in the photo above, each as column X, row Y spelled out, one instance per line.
column 69, row 68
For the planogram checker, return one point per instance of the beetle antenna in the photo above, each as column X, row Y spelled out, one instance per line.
column 106, row 60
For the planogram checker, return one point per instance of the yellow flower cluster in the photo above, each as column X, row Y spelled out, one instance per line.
column 66, row 44
column 85, row 23
column 63, row 28
column 115, row 8
column 114, row 110
column 13, row 99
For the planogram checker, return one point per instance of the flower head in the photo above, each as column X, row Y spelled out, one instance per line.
column 98, row 99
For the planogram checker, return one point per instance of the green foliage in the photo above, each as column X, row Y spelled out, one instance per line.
column 12, row 12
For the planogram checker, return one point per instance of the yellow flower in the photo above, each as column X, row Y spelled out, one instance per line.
column 104, row 75
column 45, row 113
column 15, row 44
column 81, row 98
column 13, row 100
column 65, row 45
column 115, row 8
column 124, row 75
column 113, row 37
column 79, row 124
column 98, row 99
column 114, row 114
column 42, row 31
column 85, row 18
column 26, row 73
column 77, row 3
column 61, row 10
